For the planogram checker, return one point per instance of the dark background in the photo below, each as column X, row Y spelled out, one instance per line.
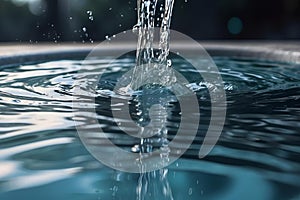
column 66, row 20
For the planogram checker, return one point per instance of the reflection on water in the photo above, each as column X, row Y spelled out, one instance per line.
column 41, row 156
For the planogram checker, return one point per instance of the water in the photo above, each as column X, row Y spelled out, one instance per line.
column 151, row 71
column 43, row 158
column 152, row 63
column 257, row 156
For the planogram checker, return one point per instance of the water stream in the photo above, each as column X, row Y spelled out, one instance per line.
column 152, row 63
column 153, row 67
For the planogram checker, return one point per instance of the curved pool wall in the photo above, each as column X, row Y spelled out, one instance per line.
column 288, row 52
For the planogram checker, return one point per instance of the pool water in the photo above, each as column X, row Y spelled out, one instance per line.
column 257, row 156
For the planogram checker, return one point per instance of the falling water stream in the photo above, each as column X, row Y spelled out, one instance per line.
column 153, row 67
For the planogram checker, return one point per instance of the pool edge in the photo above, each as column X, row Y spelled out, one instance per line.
column 271, row 51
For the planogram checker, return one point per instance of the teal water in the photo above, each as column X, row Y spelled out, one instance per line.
column 256, row 157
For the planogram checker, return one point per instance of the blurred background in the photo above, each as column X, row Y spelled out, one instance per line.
column 93, row 20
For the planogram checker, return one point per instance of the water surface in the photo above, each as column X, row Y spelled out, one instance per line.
column 257, row 156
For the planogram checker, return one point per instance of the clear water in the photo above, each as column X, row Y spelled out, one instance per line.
column 153, row 43
column 257, row 156
column 152, row 70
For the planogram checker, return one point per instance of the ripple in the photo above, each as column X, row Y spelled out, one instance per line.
column 37, row 132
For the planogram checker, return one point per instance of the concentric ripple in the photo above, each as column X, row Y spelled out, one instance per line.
column 257, row 156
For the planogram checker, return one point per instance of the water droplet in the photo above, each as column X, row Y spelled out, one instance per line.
column 169, row 63
column 136, row 149
column 136, row 28
column 190, row 191
column 107, row 38
column 90, row 13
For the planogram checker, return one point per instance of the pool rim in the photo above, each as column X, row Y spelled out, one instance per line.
column 286, row 52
